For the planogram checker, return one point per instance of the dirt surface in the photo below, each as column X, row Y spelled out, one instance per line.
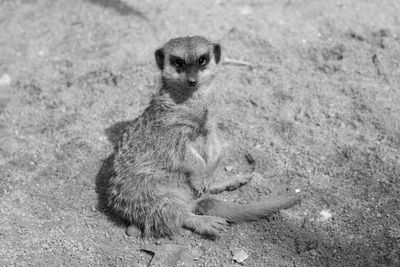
column 318, row 110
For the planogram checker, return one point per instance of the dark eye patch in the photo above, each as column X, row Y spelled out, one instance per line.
column 177, row 62
column 204, row 59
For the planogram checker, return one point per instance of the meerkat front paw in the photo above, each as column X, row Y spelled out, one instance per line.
column 200, row 186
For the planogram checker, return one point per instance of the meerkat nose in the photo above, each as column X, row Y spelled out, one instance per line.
column 192, row 81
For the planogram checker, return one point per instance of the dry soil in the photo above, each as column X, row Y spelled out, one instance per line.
column 317, row 108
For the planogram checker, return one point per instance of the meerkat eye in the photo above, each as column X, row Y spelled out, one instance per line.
column 179, row 63
column 202, row 61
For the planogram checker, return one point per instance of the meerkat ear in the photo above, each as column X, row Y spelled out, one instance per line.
column 217, row 53
column 160, row 56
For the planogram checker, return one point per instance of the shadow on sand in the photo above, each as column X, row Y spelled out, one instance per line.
column 120, row 7
column 114, row 135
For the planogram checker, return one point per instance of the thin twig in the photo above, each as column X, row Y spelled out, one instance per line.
column 228, row 61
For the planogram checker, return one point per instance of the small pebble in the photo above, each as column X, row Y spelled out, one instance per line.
column 5, row 80
column 228, row 168
column 133, row 231
column 239, row 255
column 297, row 191
column 324, row 215
column 41, row 53
column 246, row 10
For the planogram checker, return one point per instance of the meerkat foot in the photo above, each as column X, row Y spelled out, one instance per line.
column 206, row 225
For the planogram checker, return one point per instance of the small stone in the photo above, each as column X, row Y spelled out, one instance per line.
column 41, row 53
column 239, row 255
column 324, row 215
column 228, row 168
column 5, row 79
column 246, row 10
column 133, row 231
column 297, row 190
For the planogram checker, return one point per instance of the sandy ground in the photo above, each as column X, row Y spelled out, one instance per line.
column 318, row 110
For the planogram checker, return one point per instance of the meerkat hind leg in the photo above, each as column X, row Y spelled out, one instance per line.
column 229, row 184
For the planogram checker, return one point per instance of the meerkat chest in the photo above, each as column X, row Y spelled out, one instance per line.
column 204, row 135
column 205, row 141
column 200, row 144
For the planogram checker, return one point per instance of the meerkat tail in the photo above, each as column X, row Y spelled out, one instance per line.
column 236, row 213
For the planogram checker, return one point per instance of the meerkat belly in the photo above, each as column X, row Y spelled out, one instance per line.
column 214, row 148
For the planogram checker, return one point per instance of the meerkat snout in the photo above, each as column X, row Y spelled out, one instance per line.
column 192, row 81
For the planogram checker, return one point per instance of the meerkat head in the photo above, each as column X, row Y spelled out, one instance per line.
column 188, row 62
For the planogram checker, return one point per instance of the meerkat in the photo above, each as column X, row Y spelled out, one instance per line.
column 165, row 161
